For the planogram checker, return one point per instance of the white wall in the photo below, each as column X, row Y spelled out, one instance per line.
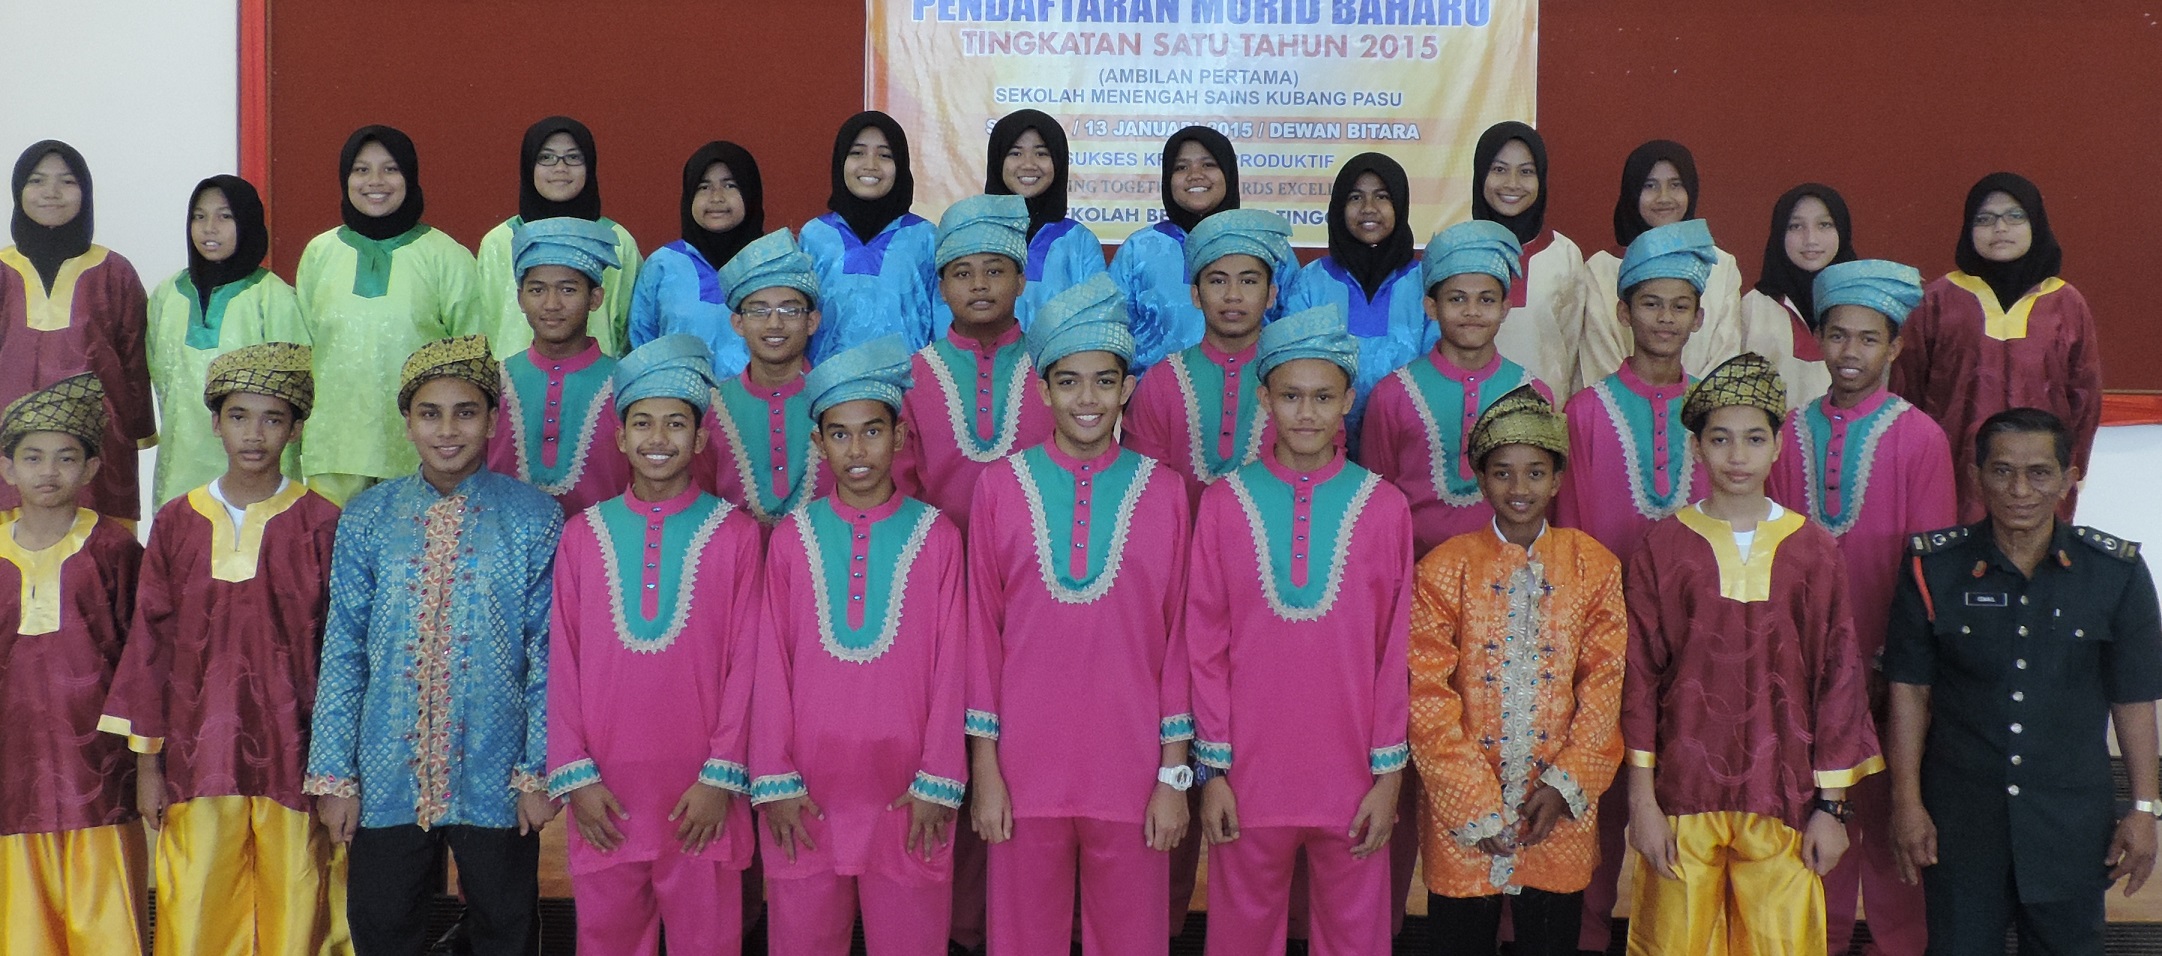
column 146, row 89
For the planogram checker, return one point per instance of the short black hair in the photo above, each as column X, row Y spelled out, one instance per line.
column 590, row 282
column 893, row 415
column 218, row 408
column 1561, row 461
column 1818, row 325
column 2024, row 421
column 1126, row 365
column 1631, row 292
column 1696, row 423
column 1351, row 382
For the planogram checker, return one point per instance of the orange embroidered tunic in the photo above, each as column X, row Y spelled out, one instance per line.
column 1516, row 678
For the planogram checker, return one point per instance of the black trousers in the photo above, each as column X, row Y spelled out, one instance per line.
column 389, row 888
column 1966, row 919
column 1546, row 923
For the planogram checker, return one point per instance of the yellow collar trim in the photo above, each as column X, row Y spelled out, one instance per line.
column 1997, row 323
column 1745, row 579
column 234, row 551
column 51, row 312
column 40, row 570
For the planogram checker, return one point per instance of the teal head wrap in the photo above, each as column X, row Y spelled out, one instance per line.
column 1480, row 245
column 1887, row 287
column 1090, row 317
column 1681, row 250
column 1317, row 333
column 581, row 244
column 1254, row 232
column 995, row 224
column 672, row 366
column 875, row 370
column 767, row 262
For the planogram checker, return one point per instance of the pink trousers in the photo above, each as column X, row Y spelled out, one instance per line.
column 1250, row 893
column 1123, row 886
column 621, row 908
column 816, row 916
column 1896, row 922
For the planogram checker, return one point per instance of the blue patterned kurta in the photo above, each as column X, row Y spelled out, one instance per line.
column 434, row 681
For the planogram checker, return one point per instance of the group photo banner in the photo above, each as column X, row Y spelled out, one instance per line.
column 1298, row 86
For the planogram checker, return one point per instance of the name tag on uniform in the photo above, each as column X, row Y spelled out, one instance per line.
column 1985, row 599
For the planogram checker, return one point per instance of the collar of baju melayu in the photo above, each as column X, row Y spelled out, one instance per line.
column 1301, row 524
column 1535, row 539
column 859, row 584
column 586, row 393
column 953, row 361
column 1448, row 399
column 747, row 415
column 235, row 551
column 50, row 310
column 373, row 258
column 1743, row 577
column 40, row 601
column 1647, row 422
column 650, row 552
column 204, row 323
column 1836, row 487
column 1203, row 388
column 1061, row 491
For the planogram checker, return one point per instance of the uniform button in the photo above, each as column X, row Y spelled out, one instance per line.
column 2023, row 630
column 2076, row 632
column 2019, row 696
column 1964, row 629
column 2016, row 759
column 2021, row 663
column 2016, row 728
column 2023, row 600
column 2013, row 789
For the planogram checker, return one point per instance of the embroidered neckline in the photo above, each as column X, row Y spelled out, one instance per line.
column 1246, row 421
column 1339, row 556
column 829, row 631
column 1114, row 553
column 1678, row 478
column 1873, row 426
column 686, row 588
column 754, row 488
column 581, row 444
column 964, row 430
column 1452, row 489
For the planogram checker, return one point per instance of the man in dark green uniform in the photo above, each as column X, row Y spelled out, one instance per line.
column 2013, row 642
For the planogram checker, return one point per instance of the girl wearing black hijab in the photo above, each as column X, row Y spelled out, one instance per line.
column 1027, row 157
column 372, row 290
column 873, row 256
column 1371, row 272
column 1810, row 230
column 722, row 208
column 1546, row 306
column 223, row 300
column 558, row 176
column 2002, row 331
column 68, row 306
column 1200, row 177
column 1658, row 188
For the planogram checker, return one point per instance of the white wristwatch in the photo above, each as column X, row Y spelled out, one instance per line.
column 1179, row 778
column 2152, row 808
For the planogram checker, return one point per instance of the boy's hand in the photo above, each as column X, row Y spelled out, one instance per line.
column 1376, row 816
column 784, row 819
column 928, row 823
column 1165, row 825
column 340, row 816
column 1651, row 835
column 1219, row 811
column 1824, row 841
column 703, row 811
column 150, row 790
column 1542, row 811
column 591, row 807
column 990, row 809
column 534, row 811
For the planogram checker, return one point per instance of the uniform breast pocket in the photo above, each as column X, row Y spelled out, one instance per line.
column 2084, row 627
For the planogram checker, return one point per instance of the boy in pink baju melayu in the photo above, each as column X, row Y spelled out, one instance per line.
column 1297, row 618
column 759, row 456
column 1078, row 687
column 857, row 755
column 652, row 642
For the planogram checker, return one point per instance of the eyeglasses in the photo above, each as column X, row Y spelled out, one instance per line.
column 1985, row 220
column 766, row 311
column 567, row 159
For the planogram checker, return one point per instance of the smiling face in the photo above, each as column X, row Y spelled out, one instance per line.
column 1661, row 314
column 981, row 289
column 2001, row 230
column 1469, row 308
column 52, row 197
column 776, row 324
column 1368, row 212
column 1197, row 182
column 1859, row 346
column 718, row 204
column 374, row 183
column 1086, row 390
column 1307, row 400
column 563, row 181
column 859, row 439
column 869, row 169
column 556, row 301
column 49, row 469
column 1812, row 238
column 1519, row 481
column 449, row 422
column 661, row 436
column 2022, row 480
column 211, row 229
column 1662, row 199
column 1737, row 445
column 1233, row 293
column 1028, row 166
column 1512, row 180
column 254, row 429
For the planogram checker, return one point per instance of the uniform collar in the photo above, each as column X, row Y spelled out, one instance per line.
column 1292, row 477
column 873, row 515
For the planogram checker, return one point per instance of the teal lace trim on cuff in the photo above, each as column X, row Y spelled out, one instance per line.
column 938, row 790
column 1175, row 728
column 981, row 723
column 578, row 773
column 779, row 786
column 725, row 774
column 1213, row 754
column 1383, row 760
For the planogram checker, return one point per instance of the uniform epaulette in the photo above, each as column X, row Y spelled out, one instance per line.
column 1931, row 542
column 2108, row 544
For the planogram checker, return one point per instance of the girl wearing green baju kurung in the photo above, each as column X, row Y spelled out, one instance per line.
column 559, row 175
